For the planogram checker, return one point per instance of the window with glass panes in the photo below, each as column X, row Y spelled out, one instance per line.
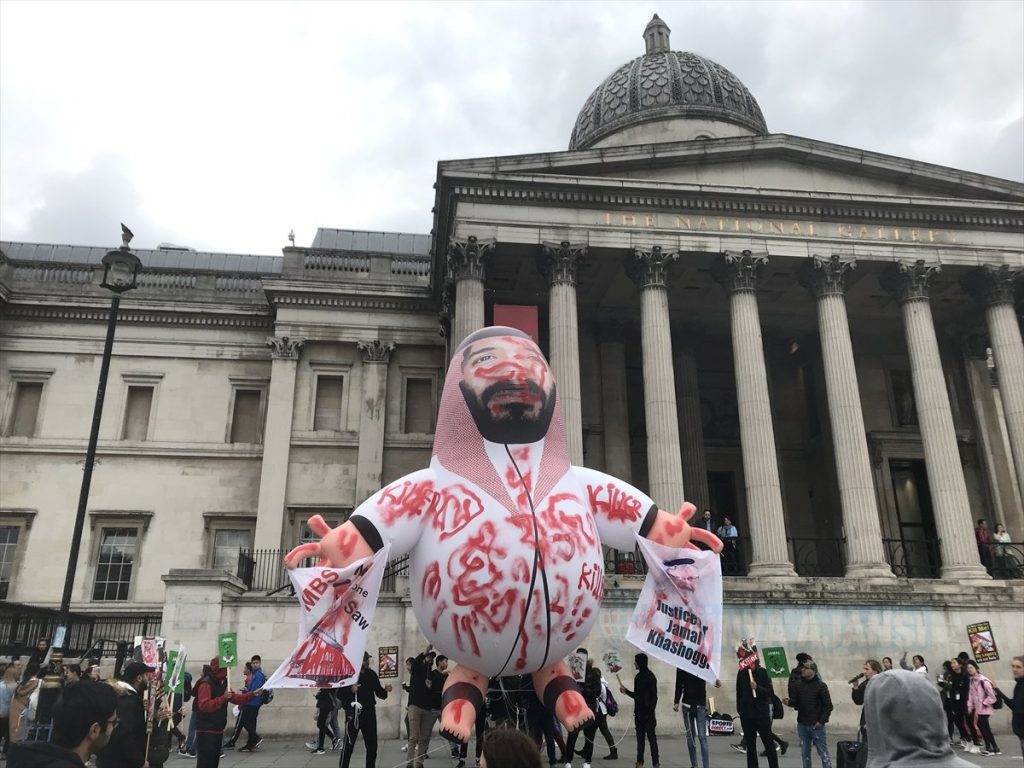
column 114, row 563
column 8, row 546
column 226, row 543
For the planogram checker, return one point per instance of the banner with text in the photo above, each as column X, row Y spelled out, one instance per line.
column 336, row 606
column 678, row 618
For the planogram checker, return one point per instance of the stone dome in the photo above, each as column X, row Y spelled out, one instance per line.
column 664, row 85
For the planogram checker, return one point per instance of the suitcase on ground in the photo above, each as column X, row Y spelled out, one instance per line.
column 851, row 754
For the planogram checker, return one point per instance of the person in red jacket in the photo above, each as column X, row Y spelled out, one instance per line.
column 212, row 698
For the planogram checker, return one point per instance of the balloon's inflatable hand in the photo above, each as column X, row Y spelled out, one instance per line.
column 337, row 547
column 674, row 531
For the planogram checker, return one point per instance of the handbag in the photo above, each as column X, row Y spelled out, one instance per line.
column 610, row 703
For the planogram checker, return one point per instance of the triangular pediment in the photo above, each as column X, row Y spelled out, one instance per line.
column 776, row 161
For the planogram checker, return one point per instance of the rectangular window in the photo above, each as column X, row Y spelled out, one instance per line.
column 27, row 395
column 136, row 413
column 114, row 564
column 245, row 418
column 226, row 543
column 8, row 547
column 327, row 408
column 419, row 406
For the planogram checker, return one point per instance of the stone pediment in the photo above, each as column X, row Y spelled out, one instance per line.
column 775, row 161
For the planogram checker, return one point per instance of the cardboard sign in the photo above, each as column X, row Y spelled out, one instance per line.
column 774, row 660
column 747, row 654
column 577, row 666
column 613, row 661
column 678, row 617
column 983, row 642
column 175, row 673
column 721, row 726
column 227, row 649
column 387, row 661
column 150, row 652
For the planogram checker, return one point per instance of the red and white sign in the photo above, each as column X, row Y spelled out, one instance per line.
column 336, row 607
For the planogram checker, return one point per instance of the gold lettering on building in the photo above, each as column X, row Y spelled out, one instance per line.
column 629, row 219
column 648, row 220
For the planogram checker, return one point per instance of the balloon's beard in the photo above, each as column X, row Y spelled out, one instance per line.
column 506, row 412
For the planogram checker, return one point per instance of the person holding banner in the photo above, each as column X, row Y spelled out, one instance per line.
column 692, row 692
column 754, row 706
column 364, row 714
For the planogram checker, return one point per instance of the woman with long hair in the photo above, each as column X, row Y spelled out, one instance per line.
column 8, row 687
column 980, row 701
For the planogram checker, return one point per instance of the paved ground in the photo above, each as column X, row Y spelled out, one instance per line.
column 290, row 753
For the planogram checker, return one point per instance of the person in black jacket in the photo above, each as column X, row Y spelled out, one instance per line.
column 754, row 706
column 127, row 747
column 363, row 715
column 692, row 691
column 1016, row 704
column 591, row 691
column 421, row 717
column 645, row 696
column 83, row 720
column 959, row 687
column 326, row 701
column 813, row 704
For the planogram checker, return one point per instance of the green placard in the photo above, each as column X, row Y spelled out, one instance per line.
column 227, row 649
column 174, row 675
column 774, row 660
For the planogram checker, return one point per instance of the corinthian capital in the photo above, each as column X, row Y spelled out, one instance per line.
column 558, row 261
column 992, row 285
column 909, row 281
column 466, row 258
column 285, row 347
column 376, row 351
column 827, row 276
column 739, row 270
column 649, row 268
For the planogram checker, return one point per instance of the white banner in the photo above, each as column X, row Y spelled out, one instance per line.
column 336, row 606
column 678, row 618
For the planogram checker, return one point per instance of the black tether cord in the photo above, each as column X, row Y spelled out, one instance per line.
column 533, row 577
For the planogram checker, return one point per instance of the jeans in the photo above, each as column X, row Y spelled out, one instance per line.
column 696, row 729
column 190, row 742
column 421, row 723
column 819, row 738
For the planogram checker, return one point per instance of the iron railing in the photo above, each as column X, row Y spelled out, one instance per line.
column 914, row 559
column 1007, row 560
column 818, row 556
column 21, row 626
column 263, row 570
column 734, row 561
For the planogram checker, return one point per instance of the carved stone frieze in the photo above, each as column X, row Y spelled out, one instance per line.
column 909, row 281
column 375, row 350
column 285, row 347
column 649, row 267
column 558, row 262
column 447, row 311
column 739, row 270
column 826, row 276
column 467, row 258
column 991, row 284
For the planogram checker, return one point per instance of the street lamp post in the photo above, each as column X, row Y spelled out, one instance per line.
column 121, row 269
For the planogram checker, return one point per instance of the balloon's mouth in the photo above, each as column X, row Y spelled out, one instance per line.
column 514, row 396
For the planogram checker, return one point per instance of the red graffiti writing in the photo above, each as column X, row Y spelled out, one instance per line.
column 405, row 499
column 592, row 579
column 432, row 581
column 479, row 578
column 614, row 503
column 453, row 508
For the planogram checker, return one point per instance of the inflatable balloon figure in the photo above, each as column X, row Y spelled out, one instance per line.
column 504, row 535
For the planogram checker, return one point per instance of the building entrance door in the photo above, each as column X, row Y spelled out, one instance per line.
column 722, row 492
column 916, row 553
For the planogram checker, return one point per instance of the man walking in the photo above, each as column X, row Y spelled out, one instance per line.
column 250, row 711
column 692, row 692
column 127, row 746
column 421, row 721
column 754, row 706
column 591, row 692
column 813, row 704
column 645, row 697
column 210, row 709
column 84, row 718
column 364, row 715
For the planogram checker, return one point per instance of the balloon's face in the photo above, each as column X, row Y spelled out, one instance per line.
column 508, row 388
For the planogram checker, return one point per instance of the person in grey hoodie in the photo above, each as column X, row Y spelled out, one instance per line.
column 904, row 716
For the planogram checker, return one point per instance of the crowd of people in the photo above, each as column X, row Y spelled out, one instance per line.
column 132, row 719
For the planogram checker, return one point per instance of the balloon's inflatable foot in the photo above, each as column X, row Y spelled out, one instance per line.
column 572, row 711
column 461, row 701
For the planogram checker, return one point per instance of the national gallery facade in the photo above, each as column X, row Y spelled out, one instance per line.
column 819, row 342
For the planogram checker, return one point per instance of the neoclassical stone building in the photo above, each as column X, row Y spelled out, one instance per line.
column 819, row 342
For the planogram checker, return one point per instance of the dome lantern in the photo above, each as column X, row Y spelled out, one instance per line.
column 656, row 36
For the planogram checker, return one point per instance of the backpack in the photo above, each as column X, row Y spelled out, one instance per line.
column 266, row 697
column 998, row 703
column 778, row 711
column 610, row 703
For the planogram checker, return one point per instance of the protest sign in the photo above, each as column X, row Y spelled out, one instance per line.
column 613, row 661
column 775, row 662
column 150, row 652
column 175, row 674
column 227, row 649
column 983, row 642
column 336, row 606
column 387, row 661
column 678, row 617
column 577, row 665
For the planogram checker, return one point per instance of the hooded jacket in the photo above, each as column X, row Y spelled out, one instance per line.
column 42, row 754
column 1016, row 705
column 747, row 705
column 907, row 726
column 645, row 688
column 982, row 695
column 127, row 745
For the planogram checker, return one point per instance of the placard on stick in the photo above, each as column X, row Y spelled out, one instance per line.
column 775, row 662
column 227, row 649
column 983, row 642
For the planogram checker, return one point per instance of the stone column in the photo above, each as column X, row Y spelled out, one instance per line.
column 277, row 439
column 466, row 268
column 649, row 270
column 591, row 399
column 558, row 263
column 738, row 273
column 994, row 288
column 909, row 283
column 370, row 462
column 865, row 556
column 618, row 460
column 691, row 427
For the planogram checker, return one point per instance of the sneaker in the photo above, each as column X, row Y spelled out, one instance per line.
column 586, row 765
column 985, row 753
column 783, row 747
column 963, row 743
column 974, row 749
column 460, row 764
column 310, row 745
column 405, row 747
column 613, row 755
column 318, row 752
column 337, row 743
column 741, row 748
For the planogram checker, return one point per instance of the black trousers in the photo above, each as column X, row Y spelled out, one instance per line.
column 208, row 749
column 368, row 727
column 323, row 724
column 752, row 728
column 602, row 726
column 589, row 732
column 481, row 729
column 248, row 717
column 645, row 725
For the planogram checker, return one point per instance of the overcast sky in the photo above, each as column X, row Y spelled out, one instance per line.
column 222, row 126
